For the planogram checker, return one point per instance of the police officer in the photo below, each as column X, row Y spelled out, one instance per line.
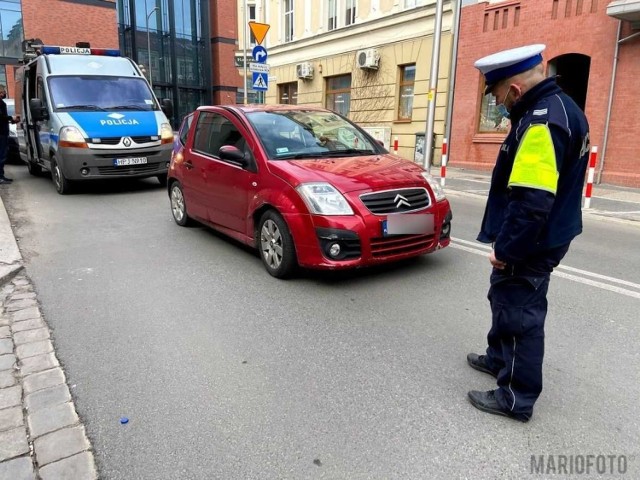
column 5, row 119
column 533, row 212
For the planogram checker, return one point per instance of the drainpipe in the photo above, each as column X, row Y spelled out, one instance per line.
column 610, row 105
column 452, row 70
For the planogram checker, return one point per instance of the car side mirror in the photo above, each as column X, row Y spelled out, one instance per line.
column 167, row 107
column 38, row 111
column 232, row 154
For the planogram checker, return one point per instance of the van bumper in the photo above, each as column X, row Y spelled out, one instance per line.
column 87, row 164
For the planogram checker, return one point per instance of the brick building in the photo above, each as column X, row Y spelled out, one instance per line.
column 582, row 42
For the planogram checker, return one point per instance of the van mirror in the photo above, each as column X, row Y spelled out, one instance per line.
column 167, row 107
column 232, row 154
column 38, row 112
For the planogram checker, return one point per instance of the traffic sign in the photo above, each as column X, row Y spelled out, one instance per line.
column 259, row 54
column 259, row 67
column 259, row 30
column 260, row 81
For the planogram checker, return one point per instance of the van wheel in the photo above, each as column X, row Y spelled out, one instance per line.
column 275, row 243
column 63, row 186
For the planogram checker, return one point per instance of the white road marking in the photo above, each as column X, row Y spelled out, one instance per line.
column 561, row 271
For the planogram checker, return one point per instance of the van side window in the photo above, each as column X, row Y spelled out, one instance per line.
column 41, row 94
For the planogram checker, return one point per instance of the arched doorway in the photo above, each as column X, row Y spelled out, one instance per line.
column 572, row 70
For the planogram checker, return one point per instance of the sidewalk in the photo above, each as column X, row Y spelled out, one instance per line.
column 41, row 436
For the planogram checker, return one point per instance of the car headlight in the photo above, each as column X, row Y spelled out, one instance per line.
column 435, row 186
column 324, row 199
column 71, row 137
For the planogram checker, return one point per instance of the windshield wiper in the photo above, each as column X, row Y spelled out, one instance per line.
column 127, row 107
column 297, row 156
column 82, row 107
column 347, row 151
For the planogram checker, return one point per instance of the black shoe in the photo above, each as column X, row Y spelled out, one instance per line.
column 4, row 181
column 479, row 362
column 486, row 401
column 7, row 180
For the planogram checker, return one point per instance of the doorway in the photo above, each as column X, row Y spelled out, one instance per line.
column 572, row 70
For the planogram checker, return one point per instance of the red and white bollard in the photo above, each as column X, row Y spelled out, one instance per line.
column 395, row 145
column 443, row 165
column 590, row 175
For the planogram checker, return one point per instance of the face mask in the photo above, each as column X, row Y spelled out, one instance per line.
column 502, row 109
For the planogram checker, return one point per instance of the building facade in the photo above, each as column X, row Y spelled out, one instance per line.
column 594, row 54
column 366, row 59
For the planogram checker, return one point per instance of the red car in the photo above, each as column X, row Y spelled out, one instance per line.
column 304, row 186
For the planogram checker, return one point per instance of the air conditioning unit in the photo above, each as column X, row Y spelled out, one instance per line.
column 304, row 70
column 369, row 58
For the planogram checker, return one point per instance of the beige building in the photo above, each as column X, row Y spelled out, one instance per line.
column 369, row 60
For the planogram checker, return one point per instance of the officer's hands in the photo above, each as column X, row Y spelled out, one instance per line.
column 495, row 262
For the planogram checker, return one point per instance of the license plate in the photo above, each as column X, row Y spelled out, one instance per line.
column 120, row 162
column 407, row 224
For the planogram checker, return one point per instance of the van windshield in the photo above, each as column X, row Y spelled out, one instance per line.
column 102, row 93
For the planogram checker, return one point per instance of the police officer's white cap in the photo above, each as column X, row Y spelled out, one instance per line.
column 507, row 63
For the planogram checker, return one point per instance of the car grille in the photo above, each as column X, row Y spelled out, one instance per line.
column 400, row 244
column 396, row 201
column 116, row 140
column 130, row 169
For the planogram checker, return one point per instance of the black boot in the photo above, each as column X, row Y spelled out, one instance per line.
column 479, row 362
column 486, row 401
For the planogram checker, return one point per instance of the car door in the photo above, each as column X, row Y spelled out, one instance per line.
column 194, row 165
column 229, row 184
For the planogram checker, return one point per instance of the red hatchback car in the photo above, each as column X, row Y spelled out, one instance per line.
column 304, row 186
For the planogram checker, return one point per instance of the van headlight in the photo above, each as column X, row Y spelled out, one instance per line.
column 438, row 192
column 166, row 133
column 323, row 199
column 71, row 137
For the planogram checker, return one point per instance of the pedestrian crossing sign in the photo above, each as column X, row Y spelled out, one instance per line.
column 260, row 81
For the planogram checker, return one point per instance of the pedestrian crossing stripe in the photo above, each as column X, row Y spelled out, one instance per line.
column 260, row 81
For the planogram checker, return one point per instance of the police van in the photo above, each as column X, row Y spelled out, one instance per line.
column 89, row 113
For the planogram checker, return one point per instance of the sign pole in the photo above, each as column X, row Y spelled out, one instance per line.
column 244, row 59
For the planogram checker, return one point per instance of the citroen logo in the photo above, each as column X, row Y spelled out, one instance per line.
column 400, row 201
column 127, row 141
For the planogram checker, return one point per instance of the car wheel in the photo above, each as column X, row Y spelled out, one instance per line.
column 276, row 245
column 162, row 179
column 63, row 186
column 178, row 205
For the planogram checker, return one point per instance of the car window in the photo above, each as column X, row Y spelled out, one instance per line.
column 213, row 131
column 184, row 129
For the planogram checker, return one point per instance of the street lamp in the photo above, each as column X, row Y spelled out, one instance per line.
column 149, row 41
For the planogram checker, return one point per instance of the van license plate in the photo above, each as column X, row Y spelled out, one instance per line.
column 119, row 162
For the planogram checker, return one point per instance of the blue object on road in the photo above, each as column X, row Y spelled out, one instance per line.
column 124, row 420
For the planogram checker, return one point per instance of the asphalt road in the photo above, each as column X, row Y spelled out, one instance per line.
column 227, row 373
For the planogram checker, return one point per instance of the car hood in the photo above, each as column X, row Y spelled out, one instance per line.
column 348, row 174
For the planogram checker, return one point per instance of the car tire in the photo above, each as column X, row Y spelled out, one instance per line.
column 63, row 186
column 178, row 205
column 276, row 246
column 162, row 179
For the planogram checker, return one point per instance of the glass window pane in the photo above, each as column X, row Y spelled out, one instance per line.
column 490, row 121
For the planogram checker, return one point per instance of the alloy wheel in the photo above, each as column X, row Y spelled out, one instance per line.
column 271, row 244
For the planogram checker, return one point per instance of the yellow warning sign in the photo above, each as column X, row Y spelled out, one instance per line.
column 259, row 30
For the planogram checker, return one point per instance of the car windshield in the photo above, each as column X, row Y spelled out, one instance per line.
column 304, row 134
column 101, row 93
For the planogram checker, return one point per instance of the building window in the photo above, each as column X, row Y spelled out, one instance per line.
column 338, row 96
column 332, row 23
column 11, row 32
column 490, row 120
column 350, row 12
column 414, row 3
column 288, row 93
column 252, row 18
column 288, row 20
column 405, row 103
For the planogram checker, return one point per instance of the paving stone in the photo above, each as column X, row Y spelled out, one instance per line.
column 27, row 324
column 18, row 469
column 50, row 419
column 34, row 348
column 7, row 378
column 78, row 467
column 38, row 363
column 61, row 444
column 4, row 320
column 38, row 381
column 5, row 331
column 23, row 295
column 6, row 346
column 16, row 305
column 11, row 418
column 7, row 361
column 26, row 314
column 20, row 280
column 30, row 336
column 48, row 397
column 10, row 396
column 13, row 443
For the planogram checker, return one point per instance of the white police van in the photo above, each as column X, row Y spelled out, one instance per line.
column 88, row 114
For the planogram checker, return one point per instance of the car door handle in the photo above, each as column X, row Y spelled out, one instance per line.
column 188, row 165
